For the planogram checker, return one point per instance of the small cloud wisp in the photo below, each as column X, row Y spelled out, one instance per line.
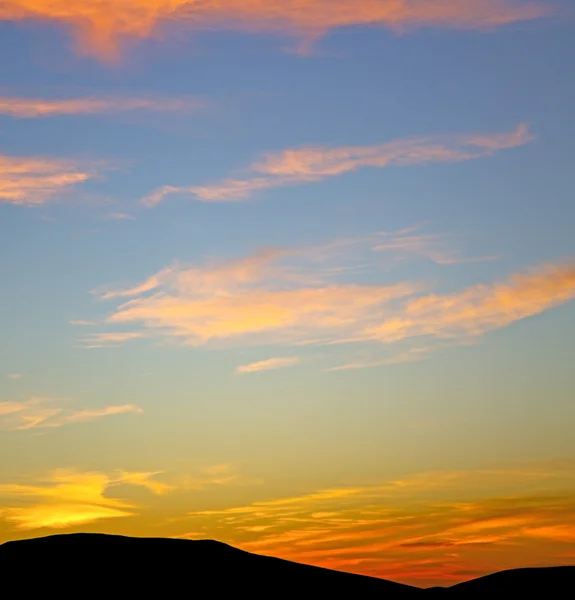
column 33, row 108
column 314, row 164
column 268, row 365
column 33, row 181
column 39, row 413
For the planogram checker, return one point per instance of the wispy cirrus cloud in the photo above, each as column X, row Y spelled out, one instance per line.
column 119, row 217
column 388, row 529
column 448, row 320
column 32, row 181
column 145, row 480
column 483, row 307
column 101, row 27
column 269, row 364
column 109, row 339
column 38, row 413
column 216, row 476
column 309, row 297
column 248, row 300
column 314, row 164
column 31, row 108
column 412, row 243
column 410, row 355
column 70, row 498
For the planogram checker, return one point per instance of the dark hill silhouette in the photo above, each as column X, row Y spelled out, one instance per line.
column 97, row 565
column 117, row 567
column 547, row 582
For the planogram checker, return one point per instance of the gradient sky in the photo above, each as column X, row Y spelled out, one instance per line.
column 297, row 276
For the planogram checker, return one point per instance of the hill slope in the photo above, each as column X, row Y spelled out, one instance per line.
column 113, row 566
column 547, row 583
column 93, row 565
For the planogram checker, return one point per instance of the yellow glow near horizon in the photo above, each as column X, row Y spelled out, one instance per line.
column 426, row 529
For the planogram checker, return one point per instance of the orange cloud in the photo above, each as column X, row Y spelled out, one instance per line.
column 560, row 533
column 290, row 316
column 253, row 297
column 298, row 297
column 29, row 108
column 482, row 308
column 29, row 181
column 313, row 164
column 268, row 365
column 46, row 412
column 325, row 162
column 100, row 25
column 426, row 529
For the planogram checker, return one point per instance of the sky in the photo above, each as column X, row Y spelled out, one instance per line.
column 293, row 275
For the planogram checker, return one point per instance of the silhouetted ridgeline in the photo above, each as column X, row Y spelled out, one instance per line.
column 95, row 565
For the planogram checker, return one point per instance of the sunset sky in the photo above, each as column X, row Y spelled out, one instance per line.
column 297, row 275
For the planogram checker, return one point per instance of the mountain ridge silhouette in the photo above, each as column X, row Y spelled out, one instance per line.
column 116, row 566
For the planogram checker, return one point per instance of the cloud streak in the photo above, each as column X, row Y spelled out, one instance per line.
column 100, row 27
column 300, row 297
column 109, row 339
column 410, row 243
column 119, row 217
column 268, row 365
column 423, row 529
column 314, row 164
column 411, row 355
column 37, row 413
column 215, row 476
column 32, row 181
column 253, row 298
column 32, row 108
column 482, row 308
